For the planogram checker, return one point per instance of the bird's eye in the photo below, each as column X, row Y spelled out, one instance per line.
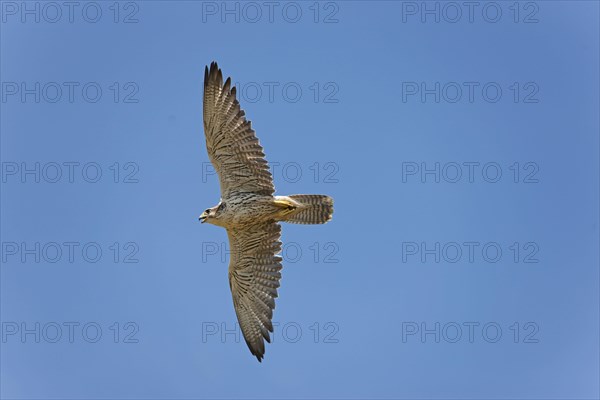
column 207, row 211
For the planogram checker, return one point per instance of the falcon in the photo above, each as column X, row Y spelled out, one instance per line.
column 249, row 210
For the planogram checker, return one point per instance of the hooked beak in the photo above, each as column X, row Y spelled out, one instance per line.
column 203, row 218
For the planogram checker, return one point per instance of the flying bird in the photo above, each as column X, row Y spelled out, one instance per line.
column 249, row 210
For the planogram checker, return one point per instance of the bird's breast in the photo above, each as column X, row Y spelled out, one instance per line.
column 246, row 209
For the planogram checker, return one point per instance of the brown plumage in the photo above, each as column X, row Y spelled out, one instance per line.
column 249, row 210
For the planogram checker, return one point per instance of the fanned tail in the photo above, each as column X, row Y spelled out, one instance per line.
column 311, row 209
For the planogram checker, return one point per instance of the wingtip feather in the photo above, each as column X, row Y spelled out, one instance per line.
column 213, row 74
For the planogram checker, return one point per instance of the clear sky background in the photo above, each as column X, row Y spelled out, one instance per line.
column 476, row 286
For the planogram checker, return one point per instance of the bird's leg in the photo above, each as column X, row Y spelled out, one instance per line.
column 284, row 207
column 285, row 203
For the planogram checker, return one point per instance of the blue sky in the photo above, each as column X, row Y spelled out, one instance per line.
column 460, row 146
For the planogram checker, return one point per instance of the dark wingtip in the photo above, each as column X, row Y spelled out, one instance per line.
column 258, row 353
column 215, row 74
column 212, row 73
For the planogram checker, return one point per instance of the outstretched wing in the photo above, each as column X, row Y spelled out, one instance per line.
column 232, row 145
column 254, row 274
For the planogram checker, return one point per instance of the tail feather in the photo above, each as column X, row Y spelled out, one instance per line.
column 312, row 209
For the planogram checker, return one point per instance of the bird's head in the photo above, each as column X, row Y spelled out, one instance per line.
column 211, row 215
column 208, row 214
